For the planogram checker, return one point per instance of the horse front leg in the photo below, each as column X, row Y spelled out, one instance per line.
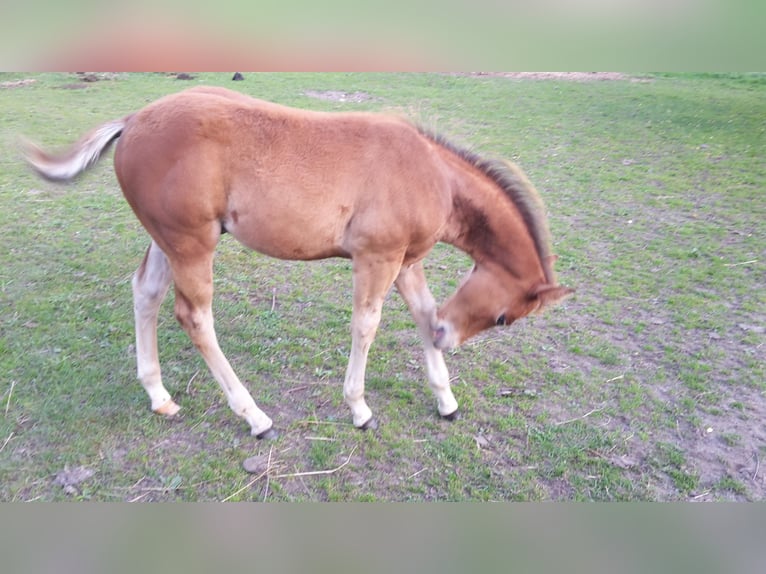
column 373, row 278
column 413, row 288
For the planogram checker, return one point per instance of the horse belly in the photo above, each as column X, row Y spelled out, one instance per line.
column 285, row 233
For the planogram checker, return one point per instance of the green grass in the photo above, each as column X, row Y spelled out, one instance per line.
column 647, row 385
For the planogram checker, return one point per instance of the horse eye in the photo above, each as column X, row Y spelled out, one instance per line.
column 500, row 320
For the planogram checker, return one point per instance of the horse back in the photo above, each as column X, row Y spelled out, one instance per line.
column 291, row 183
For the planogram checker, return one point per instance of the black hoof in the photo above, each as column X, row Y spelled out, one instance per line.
column 371, row 424
column 269, row 434
column 453, row 416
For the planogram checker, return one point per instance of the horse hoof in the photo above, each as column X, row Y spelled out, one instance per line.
column 268, row 434
column 371, row 424
column 169, row 409
column 453, row 416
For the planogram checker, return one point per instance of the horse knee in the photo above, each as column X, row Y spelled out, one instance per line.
column 365, row 324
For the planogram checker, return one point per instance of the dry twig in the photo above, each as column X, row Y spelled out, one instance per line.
column 8, row 402
column 268, row 466
column 10, row 436
column 290, row 475
column 248, row 485
column 414, row 474
column 310, row 422
column 590, row 412
column 320, row 472
column 188, row 385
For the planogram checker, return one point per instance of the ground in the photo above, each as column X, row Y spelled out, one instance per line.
column 648, row 384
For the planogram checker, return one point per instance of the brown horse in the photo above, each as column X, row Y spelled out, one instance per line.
column 305, row 185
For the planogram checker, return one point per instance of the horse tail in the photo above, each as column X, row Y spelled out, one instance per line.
column 82, row 155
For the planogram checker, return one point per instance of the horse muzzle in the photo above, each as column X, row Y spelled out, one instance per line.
column 444, row 337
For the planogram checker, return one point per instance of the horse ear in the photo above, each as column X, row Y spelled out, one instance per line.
column 549, row 295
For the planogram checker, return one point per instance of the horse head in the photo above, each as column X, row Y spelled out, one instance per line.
column 489, row 297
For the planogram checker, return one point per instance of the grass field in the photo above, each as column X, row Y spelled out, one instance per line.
column 648, row 384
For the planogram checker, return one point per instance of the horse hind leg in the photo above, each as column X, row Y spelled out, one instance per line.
column 150, row 286
column 193, row 309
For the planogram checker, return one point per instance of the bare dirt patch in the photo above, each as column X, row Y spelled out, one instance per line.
column 84, row 79
column 568, row 76
column 16, row 84
column 70, row 478
column 339, row 96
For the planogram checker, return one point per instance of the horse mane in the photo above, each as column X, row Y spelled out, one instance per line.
column 510, row 178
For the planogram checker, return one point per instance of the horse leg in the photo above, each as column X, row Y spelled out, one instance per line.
column 193, row 308
column 372, row 280
column 412, row 286
column 150, row 285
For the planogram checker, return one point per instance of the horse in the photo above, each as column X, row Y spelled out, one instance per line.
column 305, row 185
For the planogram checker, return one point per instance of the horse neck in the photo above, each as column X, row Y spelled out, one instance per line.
column 487, row 225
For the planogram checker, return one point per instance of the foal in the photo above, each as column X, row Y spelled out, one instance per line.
column 303, row 185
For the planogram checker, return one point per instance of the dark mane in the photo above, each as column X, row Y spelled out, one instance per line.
column 511, row 179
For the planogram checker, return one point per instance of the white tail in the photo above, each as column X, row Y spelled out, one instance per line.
column 78, row 158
